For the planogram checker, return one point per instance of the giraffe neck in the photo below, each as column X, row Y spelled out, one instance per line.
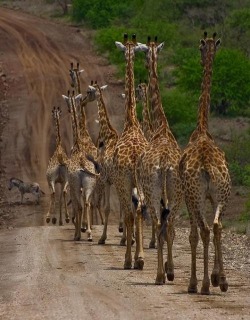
column 75, row 125
column 158, row 115
column 204, row 101
column 58, row 135
column 107, row 132
column 130, row 101
column 146, row 120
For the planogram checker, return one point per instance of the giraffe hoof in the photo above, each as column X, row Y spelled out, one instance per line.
column 48, row 220
column 101, row 241
column 60, row 223
column 160, row 280
column 77, row 238
column 205, row 291
column 123, row 242
column 215, row 279
column 90, row 239
column 170, row 276
column 127, row 265
column 192, row 289
column 53, row 220
column 169, row 272
column 83, row 229
column 121, row 229
column 67, row 220
column 152, row 245
column 139, row 264
column 224, row 286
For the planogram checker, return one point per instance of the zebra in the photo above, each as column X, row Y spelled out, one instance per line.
column 26, row 187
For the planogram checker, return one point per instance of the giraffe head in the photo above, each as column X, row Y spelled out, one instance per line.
column 151, row 49
column 74, row 74
column 94, row 91
column 56, row 113
column 128, row 46
column 72, row 100
column 208, row 48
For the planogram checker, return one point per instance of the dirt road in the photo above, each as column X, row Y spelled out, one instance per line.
column 44, row 274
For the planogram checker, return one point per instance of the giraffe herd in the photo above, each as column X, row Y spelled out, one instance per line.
column 150, row 172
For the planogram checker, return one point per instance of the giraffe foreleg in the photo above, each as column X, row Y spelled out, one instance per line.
column 106, row 212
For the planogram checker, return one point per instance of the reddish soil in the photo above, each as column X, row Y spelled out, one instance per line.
column 44, row 273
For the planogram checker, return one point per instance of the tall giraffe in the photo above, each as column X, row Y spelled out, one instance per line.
column 205, row 175
column 142, row 95
column 157, row 170
column 83, row 131
column 84, row 135
column 82, row 175
column 57, row 172
column 130, row 145
column 107, row 140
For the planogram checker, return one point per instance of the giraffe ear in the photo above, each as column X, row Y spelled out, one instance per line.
column 120, row 46
column 217, row 43
column 123, row 95
column 203, row 42
column 80, row 71
column 78, row 97
column 92, row 88
column 160, row 47
column 104, row 87
column 143, row 47
column 65, row 97
column 137, row 48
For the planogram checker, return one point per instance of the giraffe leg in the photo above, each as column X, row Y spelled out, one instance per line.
column 222, row 276
column 153, row 238
column 215, row 273
column 60, row 208
column 52, row 202
column 129, row 221
column 84, row 221
column 78, row 223
column 205, row 236
column 169, row 265
column 106, row 212
column 139, row 253
column 65, row 202
column 160, row 278
column 88, row 231
column 121, row 221
column 193, row 239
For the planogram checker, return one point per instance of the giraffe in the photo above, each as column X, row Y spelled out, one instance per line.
column 142, row 95
column 84, row 133
column 205, row 175
column 57, row 172
column 157, row 170
column 107, row 140
column 130, row 145
column 82, row 175
column 85, row 137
